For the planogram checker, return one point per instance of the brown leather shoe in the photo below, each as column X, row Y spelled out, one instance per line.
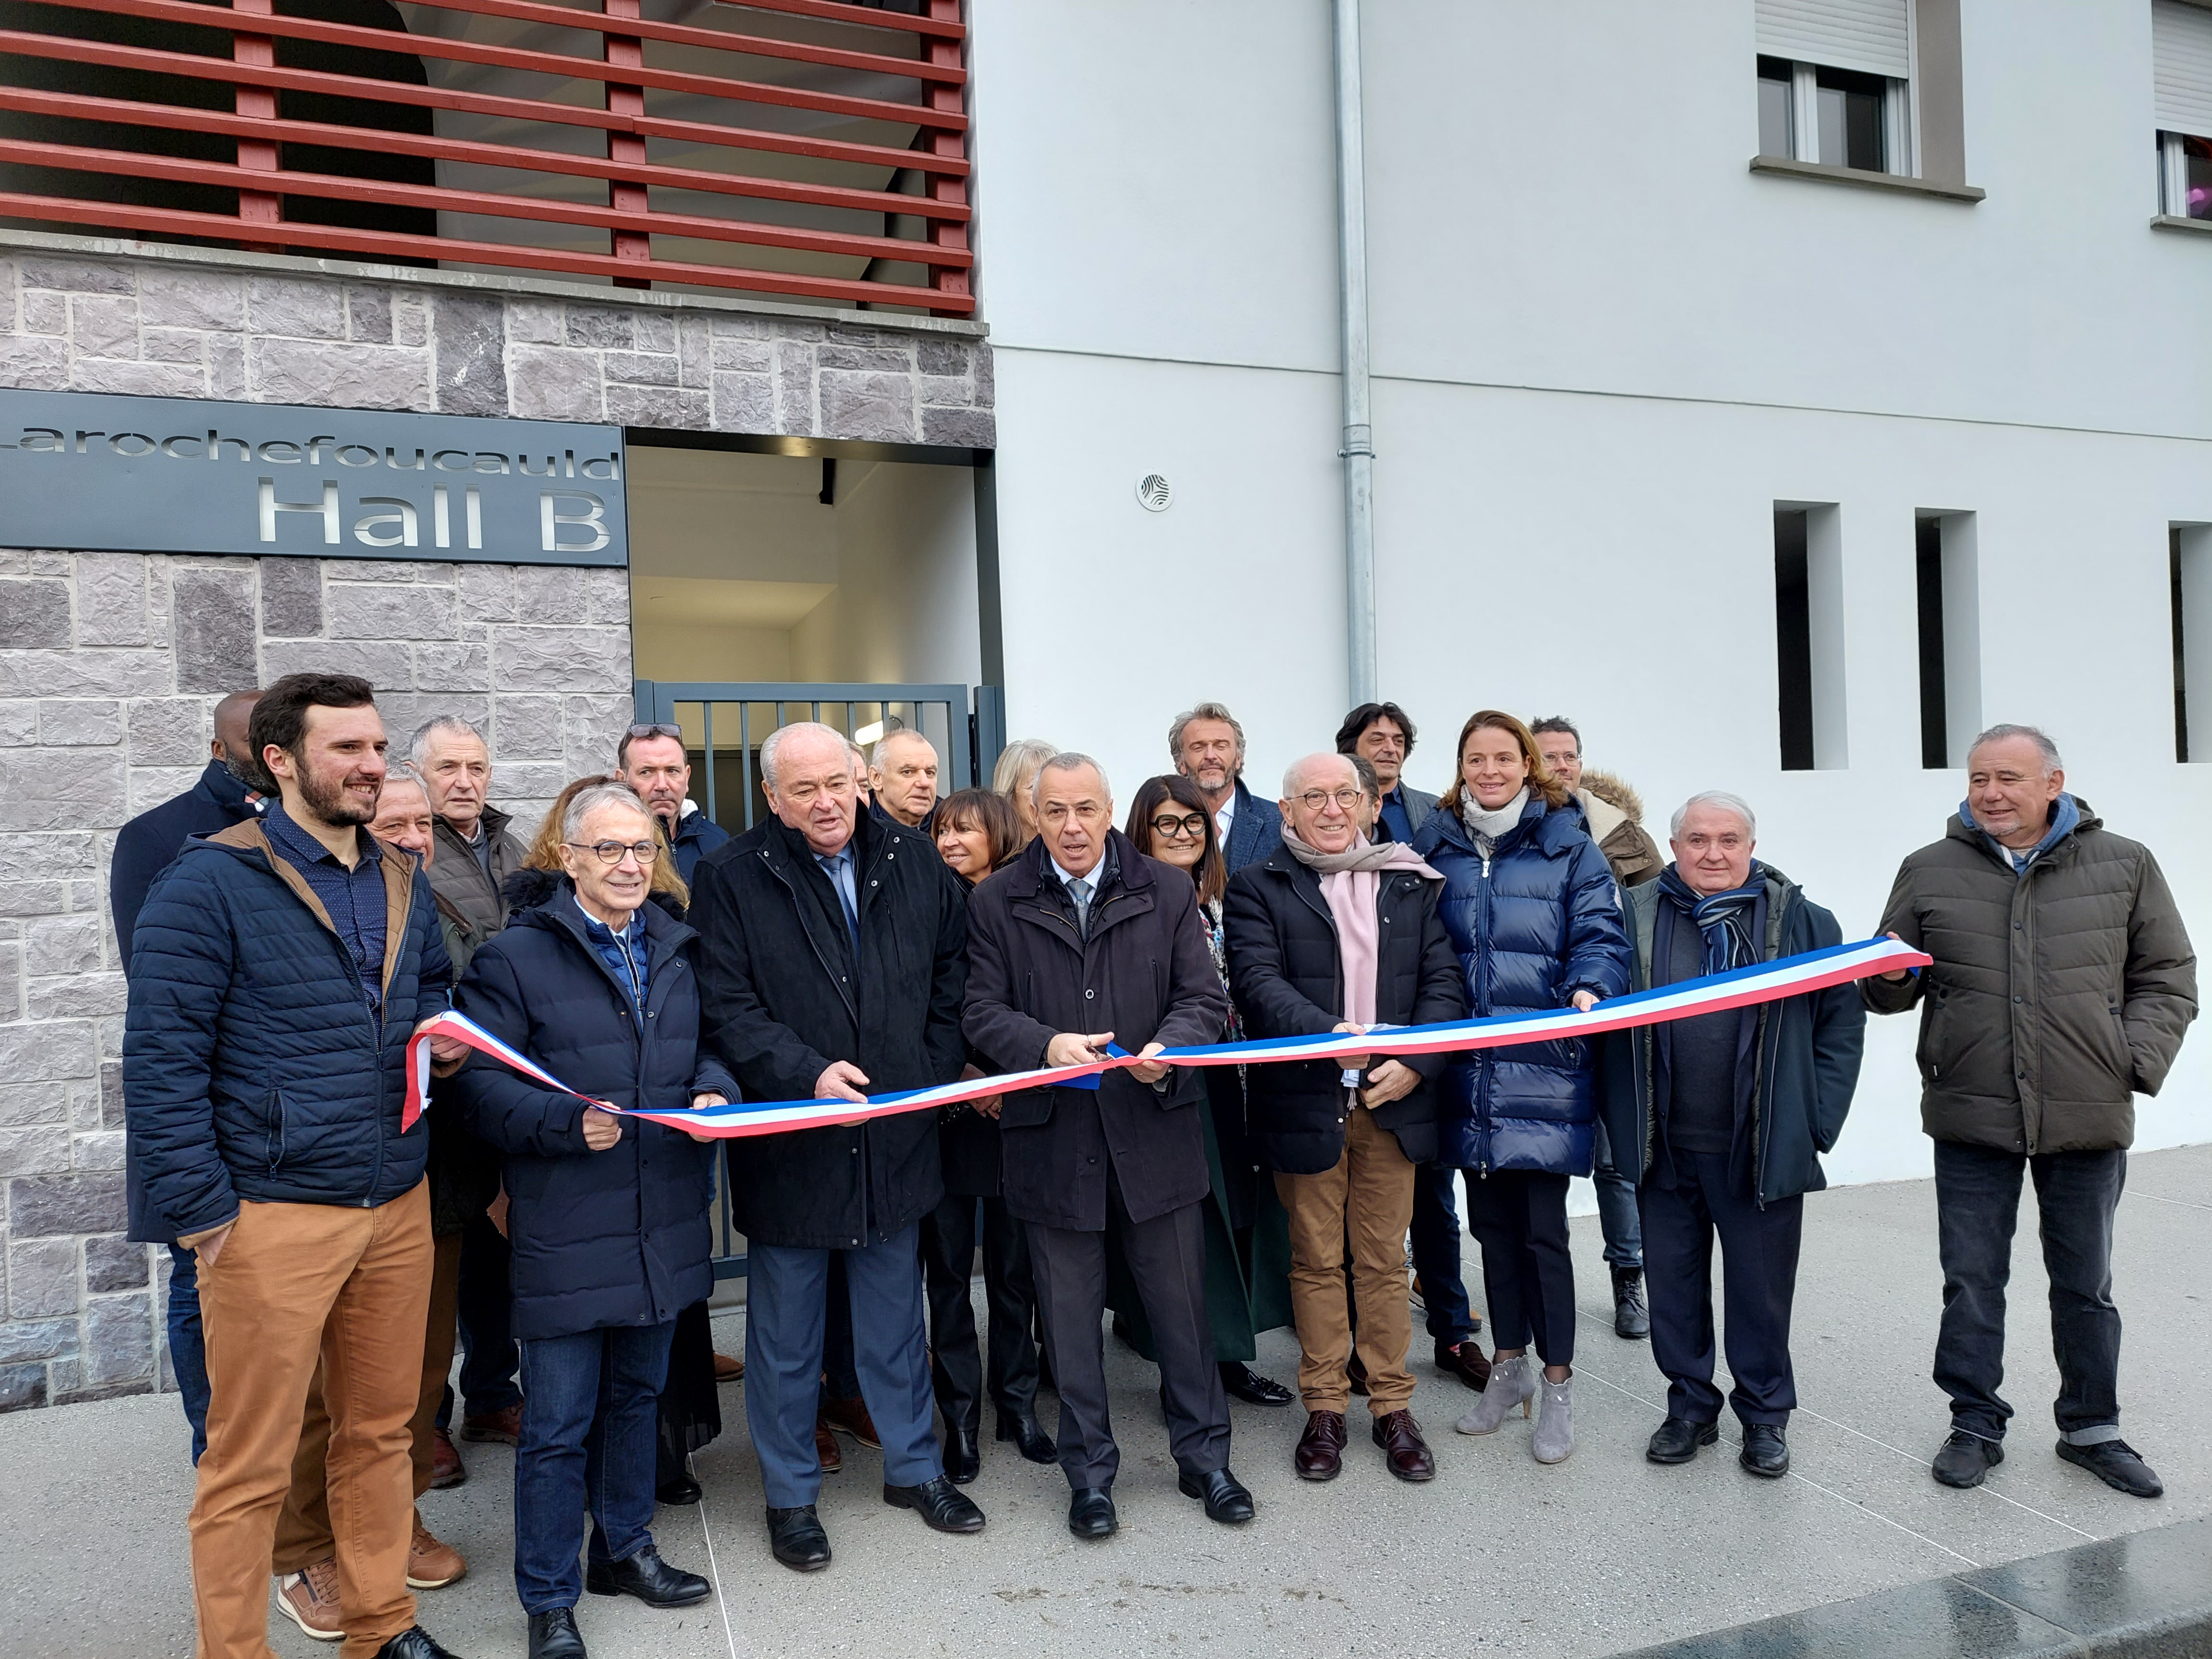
column 309, row 1598
column 503, row 1426
column 432, row 1564
column 825, row 1447
column 446, row 1467
column 1403, row 1449
column 1465, row 1362
column 1320, row 1456
column 851, row 1417
column 727, row 1367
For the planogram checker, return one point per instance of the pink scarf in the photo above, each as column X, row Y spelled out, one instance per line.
column 1348, row 882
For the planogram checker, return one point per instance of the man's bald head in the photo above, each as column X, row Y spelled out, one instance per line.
column 231, row 745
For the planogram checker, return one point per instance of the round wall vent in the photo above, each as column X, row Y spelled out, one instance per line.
column 1154, row 492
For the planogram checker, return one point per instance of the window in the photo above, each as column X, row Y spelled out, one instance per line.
column 2189, row 568
column 1834, row 83
column 2181, row 79
column 1949, row 602
column 1809, row 636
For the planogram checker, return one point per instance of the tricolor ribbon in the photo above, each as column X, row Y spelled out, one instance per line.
column 1769, row 981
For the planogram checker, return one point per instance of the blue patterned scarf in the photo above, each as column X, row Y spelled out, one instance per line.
column 1724, row 920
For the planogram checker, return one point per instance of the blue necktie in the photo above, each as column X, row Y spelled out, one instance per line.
column 840, row 871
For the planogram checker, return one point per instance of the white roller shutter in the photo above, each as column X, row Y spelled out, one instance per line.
column 2181, row 67
column 1872, row 36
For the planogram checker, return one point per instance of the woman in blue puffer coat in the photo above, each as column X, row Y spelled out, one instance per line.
column 1531, row 907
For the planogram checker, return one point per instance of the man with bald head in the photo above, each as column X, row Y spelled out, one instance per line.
column 902, row 777
column 1081, row 947
column 1332, row 932
column 230, row 789
column 831, row 963
column 1719, row 1121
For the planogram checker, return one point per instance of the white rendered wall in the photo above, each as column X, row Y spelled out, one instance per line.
column 1604, row 350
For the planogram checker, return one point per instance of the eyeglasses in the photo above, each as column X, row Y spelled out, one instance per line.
column 1313, row 800
column 654, row 731
column 1193, row 825
column 611, row 852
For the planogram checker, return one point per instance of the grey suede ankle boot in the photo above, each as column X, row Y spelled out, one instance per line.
column 1510, row 1384
column 1555, row 1422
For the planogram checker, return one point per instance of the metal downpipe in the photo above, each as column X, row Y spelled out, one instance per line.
column 1358, row 451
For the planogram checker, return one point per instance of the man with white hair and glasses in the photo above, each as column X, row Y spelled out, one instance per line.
column 1720, row 1120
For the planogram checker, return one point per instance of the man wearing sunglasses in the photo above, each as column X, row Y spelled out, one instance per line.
column 653, row 761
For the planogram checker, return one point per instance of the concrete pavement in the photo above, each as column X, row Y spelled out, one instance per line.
column 1602, row 1553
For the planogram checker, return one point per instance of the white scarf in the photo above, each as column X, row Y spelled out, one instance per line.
column 1490, row 827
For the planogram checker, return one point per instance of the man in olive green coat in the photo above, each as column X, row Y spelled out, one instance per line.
column 2063, row 983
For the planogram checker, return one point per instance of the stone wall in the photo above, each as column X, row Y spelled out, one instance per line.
column 111, row 663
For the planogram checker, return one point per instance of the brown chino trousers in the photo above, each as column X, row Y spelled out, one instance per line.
column 303, row 1530
column 1368, row 1196
column 296, row 1283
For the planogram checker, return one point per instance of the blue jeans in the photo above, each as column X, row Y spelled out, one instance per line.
column 1617, row 1217
column 188, row 1343
column 591, row 1423
column 1977, row 1207
column 1436, row 1255
column 488, row 1356
column 786, row 1295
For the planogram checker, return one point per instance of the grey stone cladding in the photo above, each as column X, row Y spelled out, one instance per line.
column 111, row 663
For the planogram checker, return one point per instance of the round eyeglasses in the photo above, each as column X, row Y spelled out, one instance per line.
column 612, row 852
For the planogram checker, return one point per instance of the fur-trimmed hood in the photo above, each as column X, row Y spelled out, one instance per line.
column 1615, row 792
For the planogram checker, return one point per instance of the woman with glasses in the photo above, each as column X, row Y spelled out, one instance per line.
column 1535, row 920
column 690, row 1404
column 1248, row 1238
column 607, row 1214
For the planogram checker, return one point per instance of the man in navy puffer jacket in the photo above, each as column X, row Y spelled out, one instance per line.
column 277, row 970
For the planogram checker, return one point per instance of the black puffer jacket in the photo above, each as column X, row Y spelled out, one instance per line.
column 618, row 1237
column 785, row 997
column 1286, row 975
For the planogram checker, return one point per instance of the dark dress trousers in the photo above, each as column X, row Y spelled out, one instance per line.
column 1125, row 1154
column 789, row 987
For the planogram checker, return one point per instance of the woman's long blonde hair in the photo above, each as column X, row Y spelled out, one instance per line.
column 544, row 852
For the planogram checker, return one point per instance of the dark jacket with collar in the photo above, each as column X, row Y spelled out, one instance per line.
column 1805, row 1050
column 1286, row 975
column 2055, row 997
column 1533, row 924
column 1255, row 829
column 477, row 899
column 252, row 1065
column 1144, row 972
column 785, row 997
column 1417, row 803
column 697, row 835
column 149, row 843
column 618, row 1237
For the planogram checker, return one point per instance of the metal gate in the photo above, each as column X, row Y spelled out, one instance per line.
column 723, row 723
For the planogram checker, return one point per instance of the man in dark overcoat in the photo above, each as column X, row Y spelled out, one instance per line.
column 1081, row 943
column 831, row 961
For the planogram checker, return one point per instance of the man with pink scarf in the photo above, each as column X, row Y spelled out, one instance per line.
column 1331, row 932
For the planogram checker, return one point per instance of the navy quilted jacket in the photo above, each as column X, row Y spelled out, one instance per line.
column 252, row 1067
column 1531, row 925
column 618, row 1237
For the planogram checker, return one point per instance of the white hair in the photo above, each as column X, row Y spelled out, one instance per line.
column 419, row 747
column 1297, row 770
column 772, row 745
column 584, row 802
column 1067, row 760
column 2034, row 734
column 406, row 773
column 876, row 755
column 1724, row 801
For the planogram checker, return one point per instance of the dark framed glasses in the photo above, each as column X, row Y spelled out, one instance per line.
column 612, row 852
column 654, row 731
column 1192, row 824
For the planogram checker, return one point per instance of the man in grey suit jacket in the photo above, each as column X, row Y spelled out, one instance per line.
column 1207, row 744
column 1382, row 734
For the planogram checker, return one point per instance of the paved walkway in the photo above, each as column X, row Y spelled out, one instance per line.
column 1498, row 1554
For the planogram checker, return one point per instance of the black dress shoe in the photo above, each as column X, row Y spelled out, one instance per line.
column 647, row 1577
column 553, row 1635
column 1965, row 1460
column 964, row 1458
column 1226, row 1500
column 796, row 1538
column 1632, row 1317
column 414, row 1643
column 1029, row 1437
column 1240, row 1380
column 681, row 1490
column 939, row 1502
column 1677, row 1440
column 1090, row 1512
column 2116, row 1464
column 1765, row 1452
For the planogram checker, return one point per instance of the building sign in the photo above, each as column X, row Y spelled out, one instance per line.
column 81, row 470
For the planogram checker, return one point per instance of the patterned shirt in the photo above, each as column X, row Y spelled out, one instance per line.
column 354, row 899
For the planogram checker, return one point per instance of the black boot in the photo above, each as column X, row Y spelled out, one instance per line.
column 1631, row 1318
column 553, row 1635
column 796, row 1538
column 963, row 1457
column 1029, row 1436
column 647, row 1577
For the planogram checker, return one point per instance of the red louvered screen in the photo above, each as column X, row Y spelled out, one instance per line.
column 814, row 149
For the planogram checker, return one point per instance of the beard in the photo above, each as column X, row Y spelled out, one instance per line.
column 329, row 802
